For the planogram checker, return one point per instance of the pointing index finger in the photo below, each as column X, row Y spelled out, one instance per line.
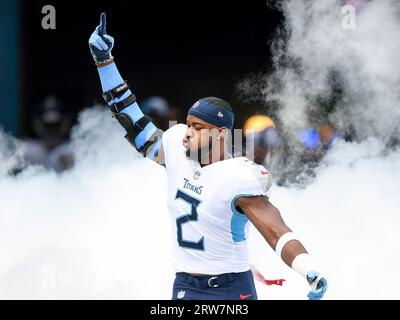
column 102, row 27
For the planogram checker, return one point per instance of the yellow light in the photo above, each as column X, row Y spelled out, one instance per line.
column 258, row 123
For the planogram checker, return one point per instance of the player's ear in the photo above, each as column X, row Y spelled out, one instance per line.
column 221, row 133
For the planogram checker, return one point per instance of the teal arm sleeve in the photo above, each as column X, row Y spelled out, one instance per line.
column 111, row 78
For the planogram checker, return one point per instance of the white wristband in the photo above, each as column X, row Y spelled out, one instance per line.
column 303, row 264
column 282, row 242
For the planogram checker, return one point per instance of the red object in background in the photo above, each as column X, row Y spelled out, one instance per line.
column 259, row 277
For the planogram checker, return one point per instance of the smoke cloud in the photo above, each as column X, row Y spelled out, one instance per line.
column 317, row 57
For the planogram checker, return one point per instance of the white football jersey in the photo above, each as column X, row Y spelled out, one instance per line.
column 208, row 233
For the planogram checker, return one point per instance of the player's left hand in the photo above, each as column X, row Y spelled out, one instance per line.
column 100, row 43
column 318, row 283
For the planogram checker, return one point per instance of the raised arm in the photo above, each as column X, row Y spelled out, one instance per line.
column 268, row 221
column 141, row 133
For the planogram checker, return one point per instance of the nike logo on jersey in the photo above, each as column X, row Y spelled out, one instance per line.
column 245, row 296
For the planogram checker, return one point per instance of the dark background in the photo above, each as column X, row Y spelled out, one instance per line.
column 180, row 50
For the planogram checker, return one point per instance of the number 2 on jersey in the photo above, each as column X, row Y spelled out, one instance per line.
column 192, row 216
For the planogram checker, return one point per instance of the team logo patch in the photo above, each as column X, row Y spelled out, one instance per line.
column 181, row 294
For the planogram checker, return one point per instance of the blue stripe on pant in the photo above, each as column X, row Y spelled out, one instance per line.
column 227, row 286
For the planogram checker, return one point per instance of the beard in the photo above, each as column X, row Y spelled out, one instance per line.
column 201, row 155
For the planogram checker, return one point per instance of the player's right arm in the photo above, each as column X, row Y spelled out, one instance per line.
column 141, row 133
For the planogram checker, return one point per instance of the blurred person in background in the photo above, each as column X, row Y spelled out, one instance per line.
column 51, row 149
column 327, row 134
column 317, row 142
column 159, row 110
column 298, row 160
column 261, row 130
column 313, row 144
